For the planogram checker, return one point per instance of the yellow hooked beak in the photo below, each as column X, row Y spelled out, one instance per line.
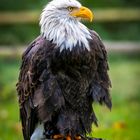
column 84, row 13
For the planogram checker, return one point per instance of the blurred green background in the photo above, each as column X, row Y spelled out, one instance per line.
column 123, row 122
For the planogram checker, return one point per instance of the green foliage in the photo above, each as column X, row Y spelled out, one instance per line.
column 16, row 5
column 111, row 3
column 117, row 31
column 121, row 123
column 9, row 70
column 18, row 34
column 31, row 4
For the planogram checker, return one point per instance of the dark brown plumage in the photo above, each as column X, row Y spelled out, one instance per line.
column 58, row 89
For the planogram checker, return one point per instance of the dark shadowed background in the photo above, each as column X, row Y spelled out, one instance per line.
column 117, row 22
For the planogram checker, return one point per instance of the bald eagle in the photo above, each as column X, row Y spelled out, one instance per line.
column 63, row 72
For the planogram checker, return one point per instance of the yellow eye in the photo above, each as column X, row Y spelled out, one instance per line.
column 70, row 8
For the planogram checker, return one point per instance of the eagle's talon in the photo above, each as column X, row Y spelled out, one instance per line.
column 56, row 137
column 77, row 137
column 68, row 137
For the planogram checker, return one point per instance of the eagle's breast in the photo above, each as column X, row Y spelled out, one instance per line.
column 74, row 70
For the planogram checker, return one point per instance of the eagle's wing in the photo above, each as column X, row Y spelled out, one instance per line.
column 101, row 83
column 37, row 87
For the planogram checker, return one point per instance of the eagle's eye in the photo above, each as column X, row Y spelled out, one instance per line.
column 70, row 8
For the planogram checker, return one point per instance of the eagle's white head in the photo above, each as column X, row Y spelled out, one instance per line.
column 60, row 23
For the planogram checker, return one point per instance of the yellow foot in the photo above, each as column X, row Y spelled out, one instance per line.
column 58, row 137
column 68, row 137
column 77, row 137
